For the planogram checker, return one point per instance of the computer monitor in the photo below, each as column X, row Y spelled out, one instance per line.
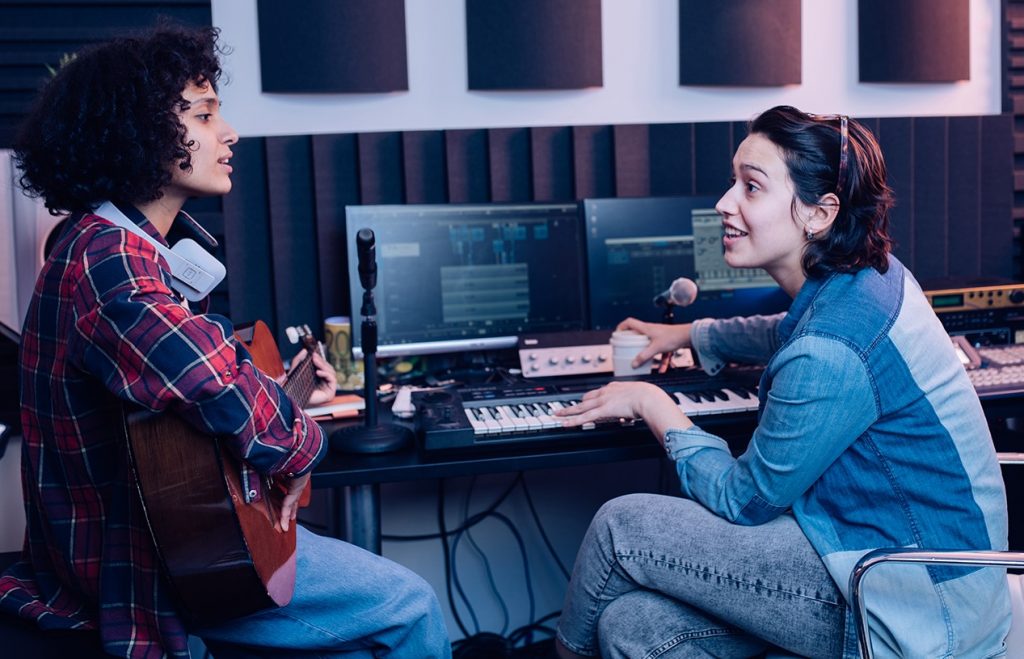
column 459, row 277
column 637, row 246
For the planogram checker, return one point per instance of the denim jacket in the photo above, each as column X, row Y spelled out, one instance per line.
column 871, row 434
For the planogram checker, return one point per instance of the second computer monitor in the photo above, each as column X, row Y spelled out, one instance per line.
column 636, row 248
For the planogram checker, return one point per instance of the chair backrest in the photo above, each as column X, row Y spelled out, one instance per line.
column 1015, row 639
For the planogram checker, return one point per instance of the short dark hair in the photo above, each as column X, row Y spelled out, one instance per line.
column 811, row 146
column 105, row 127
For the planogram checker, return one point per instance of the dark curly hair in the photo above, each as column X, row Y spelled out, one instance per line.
column 811, row 147
column 105, row 127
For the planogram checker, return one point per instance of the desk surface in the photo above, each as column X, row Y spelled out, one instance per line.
column 341, row 469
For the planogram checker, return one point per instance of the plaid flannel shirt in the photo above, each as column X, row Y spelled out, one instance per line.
column 105, row 330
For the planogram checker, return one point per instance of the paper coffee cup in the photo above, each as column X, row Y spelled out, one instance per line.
column 626, row 344
column 338, row 339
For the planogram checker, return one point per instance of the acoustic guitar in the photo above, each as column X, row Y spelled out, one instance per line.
column 224, row 558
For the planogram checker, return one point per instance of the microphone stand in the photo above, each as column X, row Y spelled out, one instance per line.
column 371, row 437
column 668, row 316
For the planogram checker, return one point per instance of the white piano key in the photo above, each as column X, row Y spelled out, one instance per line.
column 518, row 424
column 493, row 427
column 532, row 422
column 479, row 427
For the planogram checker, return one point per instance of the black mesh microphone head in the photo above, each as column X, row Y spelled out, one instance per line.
column 367, row 254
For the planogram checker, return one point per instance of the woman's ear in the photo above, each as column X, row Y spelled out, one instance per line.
column 824, row 213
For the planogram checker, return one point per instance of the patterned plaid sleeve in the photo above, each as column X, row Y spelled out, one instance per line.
column 148, row 348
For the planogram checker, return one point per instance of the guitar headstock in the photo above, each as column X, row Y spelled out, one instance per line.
column 301, row 334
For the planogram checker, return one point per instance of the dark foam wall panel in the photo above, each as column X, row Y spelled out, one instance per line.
column 293, row 232
column 381, row 177
column 713, row 149
column 739, row 42
column 336, row 184
column 671, row 147
column 424, row 167
column 931, row 180
column 632, row 161
column 469, row 178
column 594, row 161
column 953, row 180
column 249, row 263
column 508, row 151
column 533, row 44
column 551, row 160
column 914, row 40
column 963, row 255
column 896, row 137
column 996, row 165
column 37, row 34
column 332, row 46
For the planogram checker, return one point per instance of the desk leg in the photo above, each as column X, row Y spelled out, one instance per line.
column 358, row 514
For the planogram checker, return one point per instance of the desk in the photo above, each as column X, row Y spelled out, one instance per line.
column 356, row 479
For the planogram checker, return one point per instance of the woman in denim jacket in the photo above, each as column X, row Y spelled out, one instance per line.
column 869, row 435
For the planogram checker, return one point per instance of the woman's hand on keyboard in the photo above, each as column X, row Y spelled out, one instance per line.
column 627, row 400
column 665, row 339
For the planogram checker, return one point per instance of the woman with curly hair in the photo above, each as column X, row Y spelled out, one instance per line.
column 128, row 131
column 869, row 435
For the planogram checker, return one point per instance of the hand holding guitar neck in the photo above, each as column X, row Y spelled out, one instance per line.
column 373, row 437
column 311, row 380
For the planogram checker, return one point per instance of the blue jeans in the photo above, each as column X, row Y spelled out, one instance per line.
column 663, row 577
column 348, row 603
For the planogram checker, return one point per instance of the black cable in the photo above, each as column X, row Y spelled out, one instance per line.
column 538, row 625
column 522, row 551
column 443, row 537
column 543, row 533
column 458, row 584
column 506, row 619
column 475, row 519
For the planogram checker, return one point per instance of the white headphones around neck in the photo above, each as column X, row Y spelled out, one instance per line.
column 194, row 271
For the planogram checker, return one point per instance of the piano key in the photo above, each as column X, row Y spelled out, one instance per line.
column 518, row 424
column 532, row 422
column 475, row 420
column 733, row 403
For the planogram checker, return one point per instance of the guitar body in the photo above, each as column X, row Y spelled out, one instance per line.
column 224, row 558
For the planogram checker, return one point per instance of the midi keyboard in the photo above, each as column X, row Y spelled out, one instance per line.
column 497, row 415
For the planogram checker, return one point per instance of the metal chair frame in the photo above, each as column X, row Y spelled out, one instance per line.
column 980, row 558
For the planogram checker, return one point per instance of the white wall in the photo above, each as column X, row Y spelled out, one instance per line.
column 640, row 77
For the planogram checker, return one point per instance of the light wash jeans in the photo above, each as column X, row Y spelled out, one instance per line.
column 663, row 577
column 348, row 603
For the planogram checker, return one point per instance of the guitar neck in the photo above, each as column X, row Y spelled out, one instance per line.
column 301, row 381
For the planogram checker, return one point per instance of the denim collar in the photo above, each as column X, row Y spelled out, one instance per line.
column 801, row 303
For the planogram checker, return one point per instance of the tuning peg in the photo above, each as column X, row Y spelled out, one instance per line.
column 292, row 334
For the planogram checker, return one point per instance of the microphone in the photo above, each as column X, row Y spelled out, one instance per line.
column 367, row 255
column 681, row 293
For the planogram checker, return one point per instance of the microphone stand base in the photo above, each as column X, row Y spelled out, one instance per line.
column 375, row 439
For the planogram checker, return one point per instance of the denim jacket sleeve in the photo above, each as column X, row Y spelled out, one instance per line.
column 820, row 399
column 746, row 339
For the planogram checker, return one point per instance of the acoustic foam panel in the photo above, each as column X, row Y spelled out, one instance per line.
column 739, row 42
column 333, row 46
column 914, row 40
column 533, row 44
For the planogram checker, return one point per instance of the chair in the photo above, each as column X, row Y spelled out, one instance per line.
column 986, row 558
